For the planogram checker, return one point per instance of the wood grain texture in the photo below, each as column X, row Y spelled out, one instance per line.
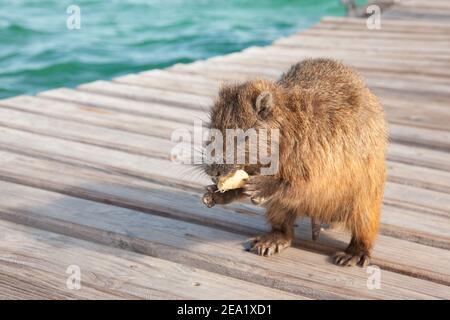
column 33, row 265
column 154, row 198
column 202, row 247
column 86, row 175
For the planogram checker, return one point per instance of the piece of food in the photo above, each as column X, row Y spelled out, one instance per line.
column 231, row 181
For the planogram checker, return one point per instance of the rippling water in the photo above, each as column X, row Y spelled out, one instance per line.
column 39, row 52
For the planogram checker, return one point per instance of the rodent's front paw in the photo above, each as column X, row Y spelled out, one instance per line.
column 208, row 197
column 254, row 188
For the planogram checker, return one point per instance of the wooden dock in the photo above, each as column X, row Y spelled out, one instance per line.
column 86, row 180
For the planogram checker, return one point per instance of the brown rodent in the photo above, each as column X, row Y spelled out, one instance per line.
column 332, row 147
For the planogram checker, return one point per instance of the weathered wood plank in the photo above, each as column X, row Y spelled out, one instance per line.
column 131, row 106
column 370, row 65
column 86, row 133
column 390, row 65
column 419, row 156
column 359, row 46
column 94, row 156
column 97, row 116
column 148, row 94
column 320, row 30
column 439, row 48
column 226, row 71
column 34, row 263
column 437, row 180
column 412, row 26
column 433, row 4
column 295, row 271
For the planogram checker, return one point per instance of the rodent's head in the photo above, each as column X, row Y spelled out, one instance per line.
column 256, row 104
column 252, row 104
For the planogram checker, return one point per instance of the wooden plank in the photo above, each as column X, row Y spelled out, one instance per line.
column 97, row 185
column 424, row 200
column 295, row 271
column 419, row 156
column 85, row 133
column 97, row 116
column 242, row 72
column 167, row 80
column 103, row 158
column 361, row 26
column 431, row 179
column 116, row 103
column 417, row 49
column 435, row 4
column 366, row 43
column 413, row 26
column 423, row 12
column 148, row 94
column 390, row 65
column 437, row 139
column 218, row 70
column 368, row 66
column 137, row 167
column 34, row 263
column 319, row 30
column 416, row 16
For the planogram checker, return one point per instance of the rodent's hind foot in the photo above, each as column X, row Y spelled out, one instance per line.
column 270, row 244
column 361, row 258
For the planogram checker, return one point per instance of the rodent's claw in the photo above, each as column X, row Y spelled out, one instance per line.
column 269, row 244
column 211, row 188
column 350, row 259
column 254, row 197
column 253, row 189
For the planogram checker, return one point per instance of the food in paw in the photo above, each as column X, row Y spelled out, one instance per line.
column 233, row 180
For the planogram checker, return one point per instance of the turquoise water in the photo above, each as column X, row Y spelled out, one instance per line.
column 39, row 52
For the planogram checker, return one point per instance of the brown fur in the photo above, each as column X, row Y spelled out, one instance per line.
column 332, row 152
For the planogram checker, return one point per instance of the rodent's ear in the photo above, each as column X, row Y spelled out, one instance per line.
column 263, row 104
